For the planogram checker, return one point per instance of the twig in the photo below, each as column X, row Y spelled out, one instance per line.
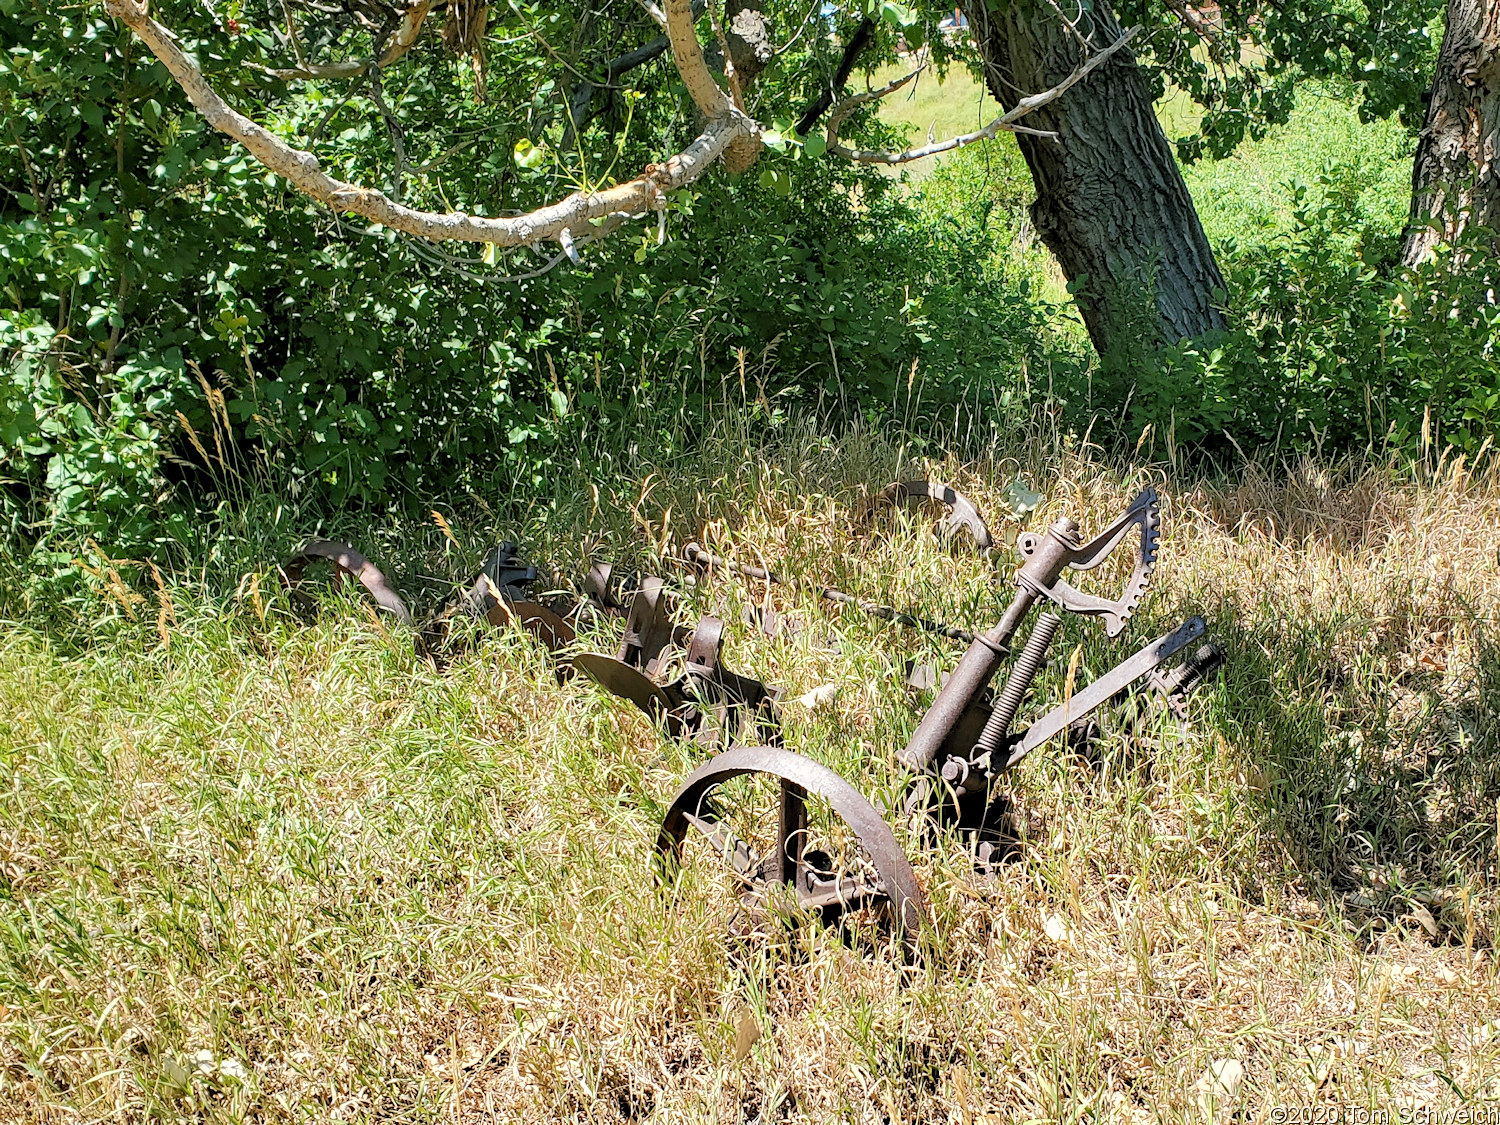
column 861, row 38
column 1007, row 122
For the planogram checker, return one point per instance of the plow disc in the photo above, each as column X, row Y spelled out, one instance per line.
column 706, row 699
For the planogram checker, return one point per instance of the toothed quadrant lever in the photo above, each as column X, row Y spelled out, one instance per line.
column 1044, row 558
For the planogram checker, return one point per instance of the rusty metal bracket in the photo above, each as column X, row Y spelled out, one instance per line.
column 794, row 873
column 346, row 563
column 962, row 515
column 638, row 672
column 1046, row 555
column 499, row 594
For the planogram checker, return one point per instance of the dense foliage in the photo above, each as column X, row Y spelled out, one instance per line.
column 175, row 320
column 174, row 316
column 1333, row 346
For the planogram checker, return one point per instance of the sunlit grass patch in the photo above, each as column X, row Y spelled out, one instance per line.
column 266, row 868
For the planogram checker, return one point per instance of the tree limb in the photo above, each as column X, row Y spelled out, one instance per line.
column 1007, row 122
column 687, row 52
column 581, row 108
column 302, row 170
column 402, row 41
column 862, row 37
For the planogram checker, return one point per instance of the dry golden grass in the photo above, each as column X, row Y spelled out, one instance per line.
column 270, row 871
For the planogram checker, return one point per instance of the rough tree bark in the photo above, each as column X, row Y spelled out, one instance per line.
column 1455, row 179
column 747, row 35
column 1111, row 204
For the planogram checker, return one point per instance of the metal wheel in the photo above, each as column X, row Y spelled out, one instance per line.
column 797, row 839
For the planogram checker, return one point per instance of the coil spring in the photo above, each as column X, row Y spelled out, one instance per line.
column 1027, row 665
column 1204, row 662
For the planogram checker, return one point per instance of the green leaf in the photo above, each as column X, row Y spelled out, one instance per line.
column 897, row 15
column 1019, row 499
column 528, row 155
column 816, row 144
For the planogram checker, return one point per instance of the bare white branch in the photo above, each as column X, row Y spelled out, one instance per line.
column 302, row 170
column 687, row 52
column 403, row 40
column 654, row 11
column 1007, row 122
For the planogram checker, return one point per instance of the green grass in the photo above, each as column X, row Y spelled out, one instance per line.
column 1363, row 169
column 254, row 868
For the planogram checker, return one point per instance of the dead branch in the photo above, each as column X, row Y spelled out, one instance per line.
column 1007, row 122
column 552, row 222
column 863, row 35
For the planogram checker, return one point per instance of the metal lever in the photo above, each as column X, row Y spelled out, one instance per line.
column 1041, row 559
column 1102, row 689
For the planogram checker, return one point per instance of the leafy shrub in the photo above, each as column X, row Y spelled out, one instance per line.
column 1328, row 350
column 178, row 318
column 1332, row 344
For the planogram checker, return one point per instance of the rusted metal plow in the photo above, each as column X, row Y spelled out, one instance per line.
column 962, row 515
column 798, row 839
column 964, row 741
column 498, row 595
column 705, row 700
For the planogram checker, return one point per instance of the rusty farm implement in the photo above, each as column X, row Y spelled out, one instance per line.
column 797, row 838
column 959, row 751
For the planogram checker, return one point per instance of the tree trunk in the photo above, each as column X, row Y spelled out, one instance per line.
column 1455, row 178
column 1111, row 203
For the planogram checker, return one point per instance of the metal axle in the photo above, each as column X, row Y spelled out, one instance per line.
column 697, row 556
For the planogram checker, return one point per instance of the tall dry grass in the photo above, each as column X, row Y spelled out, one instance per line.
column 255, row 869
